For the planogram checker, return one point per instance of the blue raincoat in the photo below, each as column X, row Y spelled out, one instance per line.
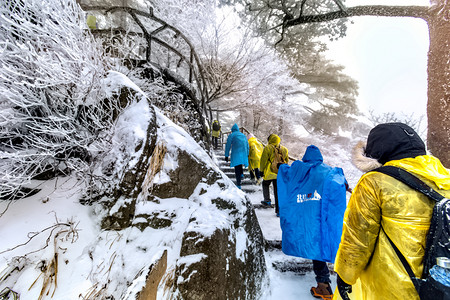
column 312, row 201
column 238, row 144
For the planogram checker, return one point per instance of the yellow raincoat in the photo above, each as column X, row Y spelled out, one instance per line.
column 365, row 258
column 254, row 155
column 268, row 155
column 91, row 22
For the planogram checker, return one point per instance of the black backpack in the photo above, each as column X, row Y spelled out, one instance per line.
column 216, row 126
column 438, row 237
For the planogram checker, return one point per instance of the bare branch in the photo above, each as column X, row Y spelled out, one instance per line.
column 369, row 10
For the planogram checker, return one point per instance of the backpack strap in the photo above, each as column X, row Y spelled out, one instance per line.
column 411, row 181
column 417, row 184
column 416, row 281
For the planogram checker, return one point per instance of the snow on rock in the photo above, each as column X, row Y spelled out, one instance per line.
column 158, row 197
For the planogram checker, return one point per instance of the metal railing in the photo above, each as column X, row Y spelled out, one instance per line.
column 156, row 34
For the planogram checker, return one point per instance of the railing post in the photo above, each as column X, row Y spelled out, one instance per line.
column 191, row 60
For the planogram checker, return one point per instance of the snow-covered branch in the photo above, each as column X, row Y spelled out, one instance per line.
column 51, row 99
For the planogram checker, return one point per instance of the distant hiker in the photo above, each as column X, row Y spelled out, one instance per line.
column 254, row 158
column 216, row 128
column 237, row 143
column 382, row 208
column 312, row 199
column 91, row 22
column 273, row 154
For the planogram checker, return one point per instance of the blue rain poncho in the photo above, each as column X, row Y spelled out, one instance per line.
column 238, row 144
column 312, row 201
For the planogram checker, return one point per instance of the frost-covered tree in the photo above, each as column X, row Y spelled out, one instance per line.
column 51, row 96
column 415, row 122
column 284, row 21
column 243, row 75
column 330, row 89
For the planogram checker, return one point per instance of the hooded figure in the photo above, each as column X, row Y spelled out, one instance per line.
column 254, row 156
column 268, row 154
column 312, row 200
column 380, row 205
column 267, row 158
column 215, row 133
column 238, row 145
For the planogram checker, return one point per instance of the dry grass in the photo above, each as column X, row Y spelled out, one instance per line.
column 155, row 166
column 168, row 280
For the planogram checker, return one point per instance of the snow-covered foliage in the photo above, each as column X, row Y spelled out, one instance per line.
column 51, row 90
column 68, row 256
column 166, row 95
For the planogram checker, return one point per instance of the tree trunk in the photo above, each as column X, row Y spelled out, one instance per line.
column 438, row 108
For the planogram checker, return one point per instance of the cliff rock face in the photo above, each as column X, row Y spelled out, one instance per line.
column 171, row 191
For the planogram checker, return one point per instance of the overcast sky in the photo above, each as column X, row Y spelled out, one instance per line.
column 388, row 57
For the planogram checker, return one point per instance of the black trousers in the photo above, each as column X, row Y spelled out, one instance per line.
column 266, row 192
column 238, row 171
column 215, row 141
column 321, row 270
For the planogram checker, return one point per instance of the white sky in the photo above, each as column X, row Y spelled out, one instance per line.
column 388, row 57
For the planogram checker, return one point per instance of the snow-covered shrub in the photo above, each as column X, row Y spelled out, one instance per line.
column 52, row 103
column 169, row 97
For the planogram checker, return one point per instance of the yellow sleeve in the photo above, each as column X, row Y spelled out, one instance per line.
column 360, row 231
column 264, row 159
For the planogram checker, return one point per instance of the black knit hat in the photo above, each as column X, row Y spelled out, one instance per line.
column 392, row 141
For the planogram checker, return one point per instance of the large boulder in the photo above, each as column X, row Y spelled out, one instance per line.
column 171, row 191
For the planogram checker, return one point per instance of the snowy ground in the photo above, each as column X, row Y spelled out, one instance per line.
column 57, row 203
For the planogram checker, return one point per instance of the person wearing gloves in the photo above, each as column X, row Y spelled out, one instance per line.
column 270, row 177
column 238, row 145
column 254, row 157
column 381, row 206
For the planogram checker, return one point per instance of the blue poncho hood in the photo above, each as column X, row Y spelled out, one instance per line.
column 312, row 155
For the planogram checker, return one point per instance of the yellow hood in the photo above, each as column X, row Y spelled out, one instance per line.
column 274, row 139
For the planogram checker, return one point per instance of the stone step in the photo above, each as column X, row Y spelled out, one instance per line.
column 272, row 244
column 297, row 267
column 262, row 206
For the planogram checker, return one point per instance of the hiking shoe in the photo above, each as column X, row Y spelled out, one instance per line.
column 239, row 187
column 278, row 215
column 322, row 291
column 266, row 203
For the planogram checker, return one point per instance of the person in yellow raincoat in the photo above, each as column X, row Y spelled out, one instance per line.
column 270, row 177
column 366, row 263
column 91, row 22
column 254, row 158
column 216, row 129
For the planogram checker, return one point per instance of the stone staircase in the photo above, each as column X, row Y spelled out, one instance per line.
column 247, row 185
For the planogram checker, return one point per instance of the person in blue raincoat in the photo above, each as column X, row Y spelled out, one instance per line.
column 312, row 202
column 238, row 145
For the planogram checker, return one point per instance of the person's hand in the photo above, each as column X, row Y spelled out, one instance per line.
column 348, row 188
column 343, row 288
column 226, row 158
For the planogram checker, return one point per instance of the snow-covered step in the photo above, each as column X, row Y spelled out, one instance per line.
column 299, row 267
